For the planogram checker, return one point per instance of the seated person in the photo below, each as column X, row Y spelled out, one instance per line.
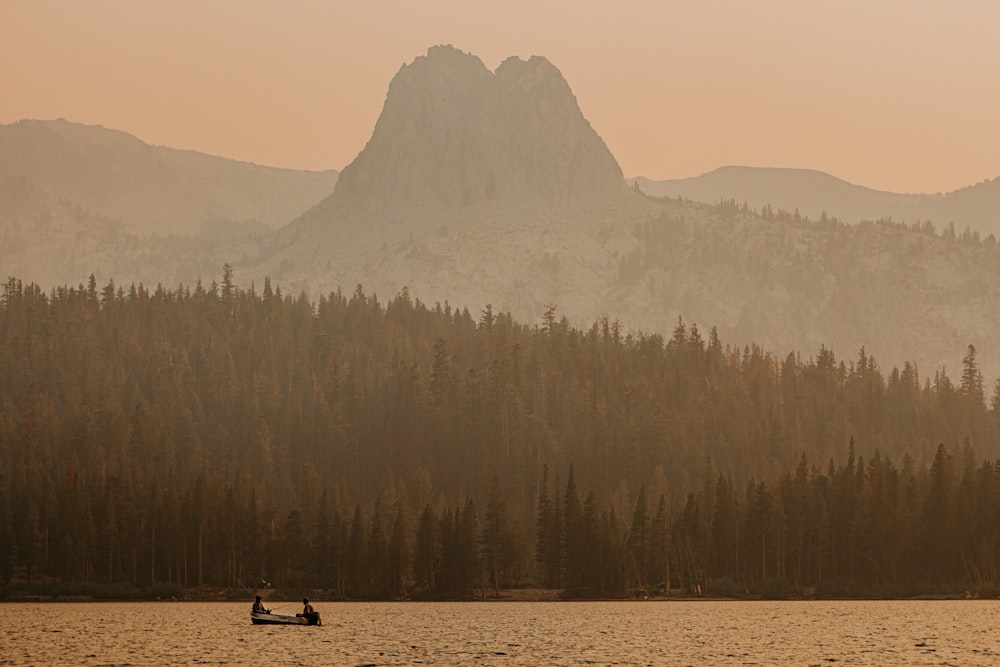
column 258, row 607
column 308, row 612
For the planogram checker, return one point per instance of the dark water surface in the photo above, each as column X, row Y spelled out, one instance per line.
column 508, row 634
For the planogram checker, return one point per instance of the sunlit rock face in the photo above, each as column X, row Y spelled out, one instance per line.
column 454, row 133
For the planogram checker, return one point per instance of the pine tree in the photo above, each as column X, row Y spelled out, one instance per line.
column 398, row 555
column 938, row 523
column 425, row 549
column 971, row 387
column 574, row 544
column 638, row 540
column 543, row 530
column 498, row 541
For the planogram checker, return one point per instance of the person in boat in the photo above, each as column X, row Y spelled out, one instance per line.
column 308, row 612
column 258, row 607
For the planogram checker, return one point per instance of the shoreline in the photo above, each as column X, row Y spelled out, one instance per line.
column 512, row 595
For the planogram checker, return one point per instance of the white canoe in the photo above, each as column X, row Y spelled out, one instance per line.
column 282, row 619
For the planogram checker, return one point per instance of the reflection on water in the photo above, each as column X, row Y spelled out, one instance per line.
column 508, row 634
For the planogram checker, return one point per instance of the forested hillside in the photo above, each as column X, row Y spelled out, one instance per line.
column 211, row 435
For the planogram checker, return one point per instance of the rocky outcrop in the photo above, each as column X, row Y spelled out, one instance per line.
column 453, row 134
column 476, row 187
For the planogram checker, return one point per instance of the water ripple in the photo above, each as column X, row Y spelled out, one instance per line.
column 509, row 634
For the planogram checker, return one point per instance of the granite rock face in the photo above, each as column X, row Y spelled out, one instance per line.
column 477, row 187
column 452, row 133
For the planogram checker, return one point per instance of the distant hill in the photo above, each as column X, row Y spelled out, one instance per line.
column 77, row 198
column 814, row 193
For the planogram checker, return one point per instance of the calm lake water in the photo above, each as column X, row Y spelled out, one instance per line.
column 508, row 634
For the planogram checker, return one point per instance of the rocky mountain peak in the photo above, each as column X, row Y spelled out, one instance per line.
column 454, row 133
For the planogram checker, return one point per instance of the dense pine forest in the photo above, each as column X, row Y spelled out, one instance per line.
column 213, row 437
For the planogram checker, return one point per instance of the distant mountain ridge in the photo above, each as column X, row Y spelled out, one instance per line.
column 482, row 187
column 416, row 210
column 813, row 193
column 152, row 189
column 77, row 199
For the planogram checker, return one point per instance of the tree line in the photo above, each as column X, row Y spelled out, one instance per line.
column 213, row 436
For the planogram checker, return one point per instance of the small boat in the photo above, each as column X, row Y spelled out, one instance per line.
column 283, row 619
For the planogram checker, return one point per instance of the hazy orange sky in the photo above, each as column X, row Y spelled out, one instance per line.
column 900, row 95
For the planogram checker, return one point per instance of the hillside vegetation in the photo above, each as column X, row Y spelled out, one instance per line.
column 212, row 435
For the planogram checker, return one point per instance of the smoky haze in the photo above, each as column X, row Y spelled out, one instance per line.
column 475, row 357
column 483, row 186
column 891, row 94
